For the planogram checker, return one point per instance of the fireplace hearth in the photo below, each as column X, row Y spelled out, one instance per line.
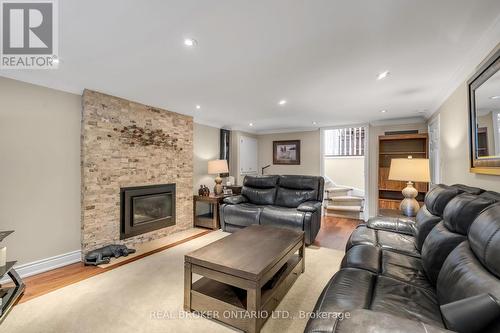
column 146, row 208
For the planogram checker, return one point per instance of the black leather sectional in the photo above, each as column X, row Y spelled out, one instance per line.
column 284, row 201
column 438, row 273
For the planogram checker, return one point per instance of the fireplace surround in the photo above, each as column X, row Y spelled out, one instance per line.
column 127, row 144
column 146, row 208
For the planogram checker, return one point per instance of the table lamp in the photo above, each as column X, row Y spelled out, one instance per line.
column 216, row 167
column 409, row 170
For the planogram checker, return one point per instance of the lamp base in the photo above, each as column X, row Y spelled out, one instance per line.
column 409, row 206
column 218, row 189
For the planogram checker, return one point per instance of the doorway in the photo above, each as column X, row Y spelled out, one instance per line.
column 344, row 161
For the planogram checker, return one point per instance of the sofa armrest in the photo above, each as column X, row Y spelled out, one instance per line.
column 394, row 224
column 367, row 321
column 309, row 206
column 235, row 199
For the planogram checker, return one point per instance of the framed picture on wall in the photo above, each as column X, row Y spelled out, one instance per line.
column 286, row 152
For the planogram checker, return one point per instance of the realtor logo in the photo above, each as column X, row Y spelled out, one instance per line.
column 29, row 34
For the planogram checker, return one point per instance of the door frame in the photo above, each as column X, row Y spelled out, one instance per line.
column 366, row 164
column 436, row 123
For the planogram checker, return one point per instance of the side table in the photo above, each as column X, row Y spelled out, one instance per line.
column 207, row 218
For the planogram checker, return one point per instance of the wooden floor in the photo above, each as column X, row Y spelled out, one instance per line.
column 333, row 234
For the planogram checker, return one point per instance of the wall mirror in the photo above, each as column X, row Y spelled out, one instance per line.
column 484, row 115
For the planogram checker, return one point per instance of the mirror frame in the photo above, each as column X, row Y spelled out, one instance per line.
column 490, row 166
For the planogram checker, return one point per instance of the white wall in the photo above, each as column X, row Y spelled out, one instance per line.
column 40, row 170
column 454, row 141
column 206, row 140
column 346, row 171
column 309, row 153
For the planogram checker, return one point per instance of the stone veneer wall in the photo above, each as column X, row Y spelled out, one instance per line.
column 129, row 144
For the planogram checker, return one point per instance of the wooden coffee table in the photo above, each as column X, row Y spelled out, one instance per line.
column 244, row 275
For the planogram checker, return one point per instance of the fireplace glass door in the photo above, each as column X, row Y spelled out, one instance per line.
column 146, row 208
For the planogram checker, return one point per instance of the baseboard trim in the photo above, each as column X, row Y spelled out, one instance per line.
column 47, row 264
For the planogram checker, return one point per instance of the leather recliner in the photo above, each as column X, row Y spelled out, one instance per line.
column 383, row 303
column 422, row 271
column 290, row 201
column 405, row 235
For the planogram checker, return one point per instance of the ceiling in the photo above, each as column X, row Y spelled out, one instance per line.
column 322, row 56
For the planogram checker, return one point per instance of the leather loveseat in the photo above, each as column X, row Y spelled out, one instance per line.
column 449, row 280
column 285, row 201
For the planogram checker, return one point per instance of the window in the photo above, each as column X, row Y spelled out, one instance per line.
column 348, row 141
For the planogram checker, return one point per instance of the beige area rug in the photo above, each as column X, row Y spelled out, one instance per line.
column 147, row 295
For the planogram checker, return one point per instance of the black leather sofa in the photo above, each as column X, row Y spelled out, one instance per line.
column 432, row 275
column 285, row 201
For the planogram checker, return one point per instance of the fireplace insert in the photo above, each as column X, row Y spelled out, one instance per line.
column 146, row 208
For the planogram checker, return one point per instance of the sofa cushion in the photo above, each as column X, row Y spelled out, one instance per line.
column 341, row 295
column 458, row 215
column 259, row 196
column 351, row 289
column 462, row 210
column 400, row 225
column 294, row 190
column 362, row 235
column 260, row 190
column 491, row 195
column 426, row 222
column 468, row 189
column 244, row 214
column 261, row 181
column 286, row 197
column 484, row 238
column 282, row 217
column 397, row 242
column 296, row 182
column 463, row 275
column 362, row 320
column 363, row 257
column 398, row 266
column 406, row 301
column 438, row 197
column 404, row 268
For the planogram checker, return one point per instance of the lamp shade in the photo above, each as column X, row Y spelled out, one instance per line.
column 410, row 169
column 217, row 166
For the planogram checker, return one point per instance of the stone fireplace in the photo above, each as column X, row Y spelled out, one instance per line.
column 126, row 148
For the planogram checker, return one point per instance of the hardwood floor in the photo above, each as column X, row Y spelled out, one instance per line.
column 333, row 234
column 44, row 283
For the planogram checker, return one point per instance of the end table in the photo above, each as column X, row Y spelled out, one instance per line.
column 210, row 218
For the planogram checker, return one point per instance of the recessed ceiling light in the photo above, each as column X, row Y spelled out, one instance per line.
column 383, row 75
column 198, row 107
column 190, row 42
column 495, row 97
column 314, row 123
column 282, row 102
column 251, row 124
column 383, row 111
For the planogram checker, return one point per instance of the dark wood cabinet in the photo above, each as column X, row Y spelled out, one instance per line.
column 399, row 146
